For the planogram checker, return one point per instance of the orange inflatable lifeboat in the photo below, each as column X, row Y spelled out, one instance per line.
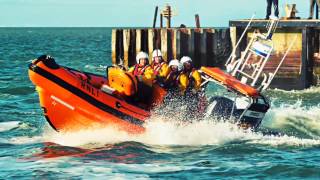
column 74, row 100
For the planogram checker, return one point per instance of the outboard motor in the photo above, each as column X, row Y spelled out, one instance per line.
column 244, row 113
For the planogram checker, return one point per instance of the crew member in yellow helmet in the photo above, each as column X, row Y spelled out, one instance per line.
column 190, row 77
column 142, row 69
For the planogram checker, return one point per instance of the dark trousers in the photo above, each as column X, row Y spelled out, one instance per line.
column 269, row 5
column 312, row 3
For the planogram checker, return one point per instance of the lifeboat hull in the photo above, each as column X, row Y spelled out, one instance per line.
column 70, row 103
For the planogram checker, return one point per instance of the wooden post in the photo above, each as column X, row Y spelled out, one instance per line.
column 138, row 40
column 311, row 47
column 184, row 38
column 126, row 45
column 203, row 47
column 161, row 21
column 155, row 17
column 191, row 43
column 164, row 44
column 114, row 46
column 304, row 59
column 243, row 44
column 197, row 18
column 144, row 40
column 158, row 39
column 210, row 59
column 151, row 42
column 169, row 17
column 132, row 48
column 176, row 43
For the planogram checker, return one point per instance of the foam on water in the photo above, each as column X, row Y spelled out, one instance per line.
column 301, row 125
column 159, row 132
column 313, row 89
column 295, row 118
column 298, row 124
column 6, row 126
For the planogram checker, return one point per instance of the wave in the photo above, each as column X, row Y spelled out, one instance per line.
column 295, row 119
column 159, row 132
column 313, row 89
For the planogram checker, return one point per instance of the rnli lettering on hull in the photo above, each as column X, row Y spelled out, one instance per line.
column 89, row 89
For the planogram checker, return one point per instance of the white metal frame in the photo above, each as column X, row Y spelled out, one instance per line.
column 239, row 67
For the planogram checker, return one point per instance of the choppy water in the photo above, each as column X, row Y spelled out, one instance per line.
column 201, row 150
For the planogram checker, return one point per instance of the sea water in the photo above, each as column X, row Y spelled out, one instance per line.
column 30, row 149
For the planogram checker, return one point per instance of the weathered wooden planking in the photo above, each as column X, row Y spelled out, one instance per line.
column 126, row 45
column 199, row 44
column 113, row 46
column 164, row 44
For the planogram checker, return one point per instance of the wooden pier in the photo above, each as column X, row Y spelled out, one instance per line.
column 212, row 47
column 206, row 46
column 301, row 68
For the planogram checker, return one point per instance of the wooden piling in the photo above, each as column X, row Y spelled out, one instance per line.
column 126, row 45
column 197, row 19
column 113, row 46
column 184, row 38
column 132, row 48
column 138, row 40
column 203, row 47
column 151, row 42
column 161, row 21
column 197, row 43
column 164, row 44
column 191, row 43
column 155, row 17
column 176, row 43
column 210, row 58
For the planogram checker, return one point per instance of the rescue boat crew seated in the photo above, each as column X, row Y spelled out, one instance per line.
column 142, row 69
column 172, row 79
column 190, row 78
column 160, row 68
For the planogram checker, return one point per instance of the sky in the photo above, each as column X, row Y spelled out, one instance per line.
column 131, row 13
